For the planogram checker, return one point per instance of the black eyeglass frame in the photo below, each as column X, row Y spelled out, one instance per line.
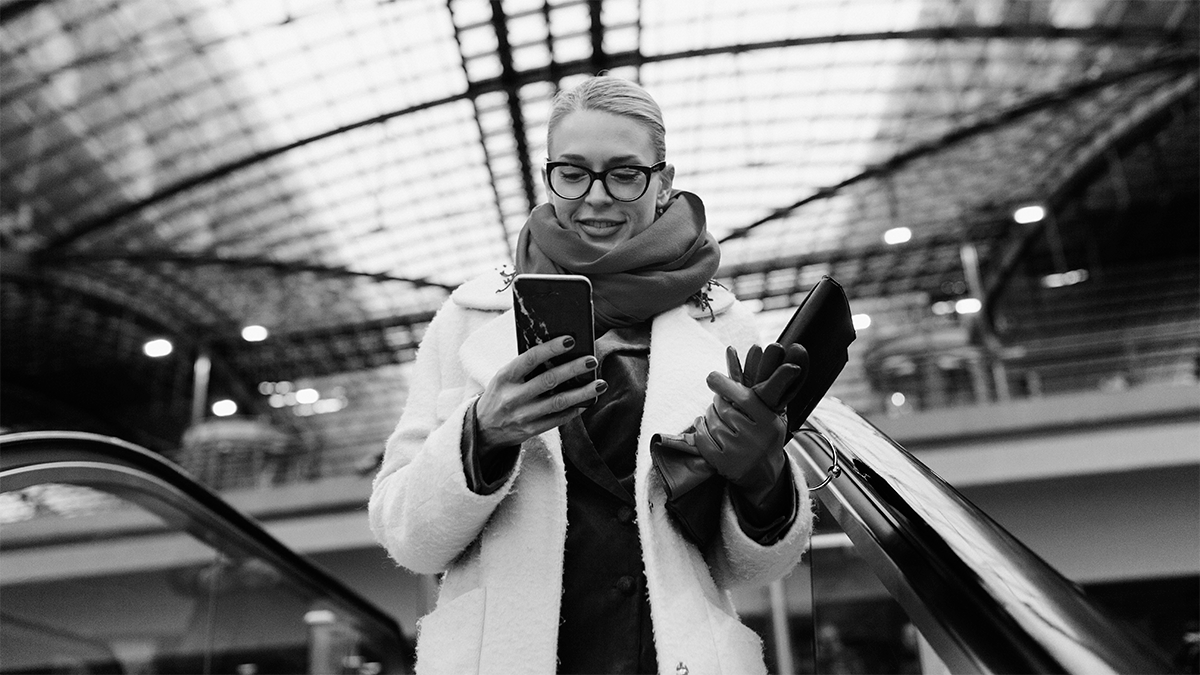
column 602, row 176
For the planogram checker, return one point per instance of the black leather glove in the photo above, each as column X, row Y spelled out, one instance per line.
column 771, row 377
column 765, row 373
column 743, row 432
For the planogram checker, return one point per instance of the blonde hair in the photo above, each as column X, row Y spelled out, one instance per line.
column 615, row 96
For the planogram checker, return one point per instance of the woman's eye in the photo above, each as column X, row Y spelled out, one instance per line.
column 571, row 174
column 626, row 175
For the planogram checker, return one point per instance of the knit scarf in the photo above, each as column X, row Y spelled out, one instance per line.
column 656, row 269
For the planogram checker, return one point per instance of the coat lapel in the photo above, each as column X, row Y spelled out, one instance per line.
column 682, row 354
column 489, row 347
column 522, row 543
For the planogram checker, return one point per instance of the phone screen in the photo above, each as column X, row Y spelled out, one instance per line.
column 547, row 306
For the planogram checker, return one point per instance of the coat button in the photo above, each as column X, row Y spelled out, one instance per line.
column 626, row 585
column 625, row 514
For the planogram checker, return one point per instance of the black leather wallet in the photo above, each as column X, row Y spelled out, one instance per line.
column 823, row 325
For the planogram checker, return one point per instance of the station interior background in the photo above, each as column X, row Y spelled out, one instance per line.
column 1006, row 189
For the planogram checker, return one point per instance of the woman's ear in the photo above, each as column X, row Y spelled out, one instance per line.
column 666, row 178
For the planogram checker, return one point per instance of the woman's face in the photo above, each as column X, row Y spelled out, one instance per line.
column 599, row 141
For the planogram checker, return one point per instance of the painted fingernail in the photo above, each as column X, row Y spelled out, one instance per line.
column 568, row 342
column 601, row 386
column 591, row 362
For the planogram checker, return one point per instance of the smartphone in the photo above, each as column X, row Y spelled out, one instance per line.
column 552, row 305
column 823, row 324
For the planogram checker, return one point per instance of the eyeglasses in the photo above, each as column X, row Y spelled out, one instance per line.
column 622, row 183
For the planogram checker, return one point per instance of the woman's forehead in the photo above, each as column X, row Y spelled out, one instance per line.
column 594, row 134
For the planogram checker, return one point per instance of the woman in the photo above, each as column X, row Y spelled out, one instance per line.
column 560, row 548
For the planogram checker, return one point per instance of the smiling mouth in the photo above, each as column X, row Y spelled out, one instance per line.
column 599, row 224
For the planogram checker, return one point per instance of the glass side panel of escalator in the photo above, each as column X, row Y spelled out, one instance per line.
column 831, row 614
column 94, row 582
column 858, row 627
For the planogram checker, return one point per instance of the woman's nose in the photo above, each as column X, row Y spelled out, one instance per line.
column 597, row 194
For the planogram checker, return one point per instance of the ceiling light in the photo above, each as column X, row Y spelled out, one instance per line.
column 943, row 307
column 897, row 399
column 897, row 235
column 1029, row 214
column 254, row 333
column 309, row 395
column 968, row 305
column 319, row 616
column 861, row 321
column 1061, row 279
column 328, row 405
column 224, row 408
column 157, row 348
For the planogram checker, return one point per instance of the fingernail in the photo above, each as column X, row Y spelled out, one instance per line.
column 591, row 362
column 601, row 386
column 568, row 342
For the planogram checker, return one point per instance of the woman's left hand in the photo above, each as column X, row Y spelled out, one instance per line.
column 743, row 432
column 740, row 436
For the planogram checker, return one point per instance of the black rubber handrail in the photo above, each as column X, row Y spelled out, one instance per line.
column 42, row 455
column 982, row 599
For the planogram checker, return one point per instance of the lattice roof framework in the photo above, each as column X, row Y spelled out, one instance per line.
column 330, row 169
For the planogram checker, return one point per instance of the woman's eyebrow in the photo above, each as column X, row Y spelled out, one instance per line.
column 610, row 161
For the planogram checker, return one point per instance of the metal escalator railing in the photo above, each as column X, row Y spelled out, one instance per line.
column 155, row 573
column 981, row 598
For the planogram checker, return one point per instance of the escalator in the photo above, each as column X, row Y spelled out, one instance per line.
column 114, row 561
column 929, row 583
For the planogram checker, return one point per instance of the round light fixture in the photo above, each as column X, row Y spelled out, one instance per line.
column 254, row 333
column 157, row 348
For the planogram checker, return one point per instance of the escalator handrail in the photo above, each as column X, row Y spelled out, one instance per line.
column 23, row 451
column 984, row 601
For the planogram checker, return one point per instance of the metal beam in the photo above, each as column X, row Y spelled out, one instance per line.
column 14, row 9
column 292, row 351
column 834, row 256
column 1004, row 117
column 349, row 329
column 250, row 262
column 1136, row 124
column 515, row 79
column 510, row 82
column 487, row 154
column 599, row 58
column 186, row 336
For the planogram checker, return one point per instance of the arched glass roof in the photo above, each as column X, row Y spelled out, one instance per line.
column 329, row 169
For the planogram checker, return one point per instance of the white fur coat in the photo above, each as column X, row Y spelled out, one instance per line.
column 502, row 554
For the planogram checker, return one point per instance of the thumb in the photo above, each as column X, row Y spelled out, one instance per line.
column 685, row 442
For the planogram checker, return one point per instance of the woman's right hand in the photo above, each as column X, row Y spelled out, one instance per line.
column 511, row 411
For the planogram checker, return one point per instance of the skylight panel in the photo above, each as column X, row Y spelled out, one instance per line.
column 571, row 19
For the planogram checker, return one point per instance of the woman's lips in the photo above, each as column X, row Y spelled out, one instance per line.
column 599, row 228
